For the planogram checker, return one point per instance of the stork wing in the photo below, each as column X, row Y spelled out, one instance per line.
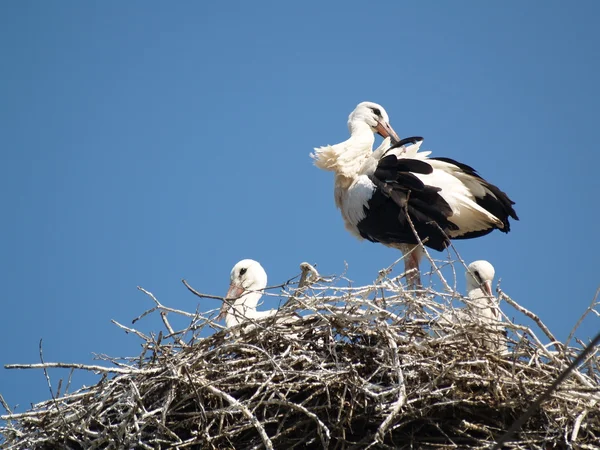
column 400, row 193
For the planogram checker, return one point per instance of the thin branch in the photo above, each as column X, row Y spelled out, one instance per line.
column 56, row 405
column 426, row 252
column 198, row 294
column 163, row 316
column 583, row 316
column 52, row 365
column 5, row 405
column 532, row 316
column 132, row 330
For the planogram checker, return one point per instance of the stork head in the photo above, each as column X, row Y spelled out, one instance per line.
column 480, row 276
column 247, row 277
column 376, row 117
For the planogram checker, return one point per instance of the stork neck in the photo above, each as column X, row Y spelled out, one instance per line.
column 361, row 133
column 351, row 154
column 243, row 307
column 483, row 305
column 479, row 298
column 475, row 292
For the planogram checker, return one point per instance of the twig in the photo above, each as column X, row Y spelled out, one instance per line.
column 431, row 261
column 163, row 316
column 577, row 425
column 533, row 317
column 132, row 330
column 5, row 405
column 56, row 405
column 583, row 316
column 198, row 294
column 49, row 365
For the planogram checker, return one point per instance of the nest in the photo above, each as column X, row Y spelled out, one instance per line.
column 338, row 367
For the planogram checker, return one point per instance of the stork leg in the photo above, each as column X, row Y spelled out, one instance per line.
column 411, row 267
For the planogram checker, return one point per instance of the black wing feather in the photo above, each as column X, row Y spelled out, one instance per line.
column 405, row 141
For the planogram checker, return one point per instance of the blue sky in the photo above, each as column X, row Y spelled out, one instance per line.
column 147, row 142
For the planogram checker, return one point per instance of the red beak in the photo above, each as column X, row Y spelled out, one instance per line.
column 486, row 287
column 233, row 293
column 384, row 129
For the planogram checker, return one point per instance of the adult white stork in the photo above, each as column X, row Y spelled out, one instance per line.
column 377, row 190
column 248, row 279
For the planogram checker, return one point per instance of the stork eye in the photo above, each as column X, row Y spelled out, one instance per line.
column 477, row 276
column 377, row 111
column 243, row 271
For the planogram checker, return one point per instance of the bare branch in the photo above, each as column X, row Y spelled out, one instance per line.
column 590, row 309
column 533, row 317
column 52, row 365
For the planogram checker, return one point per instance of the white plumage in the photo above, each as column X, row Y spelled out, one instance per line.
column 482, row 308
column 480, row 275
column 248, row 280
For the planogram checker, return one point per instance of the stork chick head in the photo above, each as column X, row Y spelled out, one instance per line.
column 480, row 276
column 246, row 275
column 247, row 279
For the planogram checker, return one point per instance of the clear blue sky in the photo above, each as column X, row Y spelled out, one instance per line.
column 145, row 142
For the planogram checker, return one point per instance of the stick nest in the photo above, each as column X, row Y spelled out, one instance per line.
column 363, row 367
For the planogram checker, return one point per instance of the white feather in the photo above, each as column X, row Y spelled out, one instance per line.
column 481, row 309
column 467, row 214
column 252, row 282
column 355, row 199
